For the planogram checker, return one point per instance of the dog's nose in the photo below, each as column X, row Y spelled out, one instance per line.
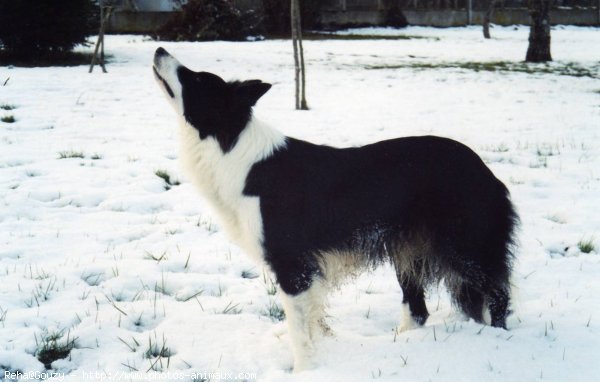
column 160, row 52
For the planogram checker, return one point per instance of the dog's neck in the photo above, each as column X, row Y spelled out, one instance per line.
column 206, row 164
column 221, row 177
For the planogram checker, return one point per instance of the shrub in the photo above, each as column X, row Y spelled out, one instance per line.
column 394, row 17
column 207, row 20
column 277, row 16
column 31, row 27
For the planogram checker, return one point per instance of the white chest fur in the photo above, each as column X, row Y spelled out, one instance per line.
column 221, row 178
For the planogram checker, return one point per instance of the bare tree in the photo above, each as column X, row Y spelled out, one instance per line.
column 487, row 18
column 106, row 9
column 300, row 72
column 539, row 34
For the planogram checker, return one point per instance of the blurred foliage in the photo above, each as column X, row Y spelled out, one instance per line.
column 277, row 16
column 29, row 28
column 206, row 20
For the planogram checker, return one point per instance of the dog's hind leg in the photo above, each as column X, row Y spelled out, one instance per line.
column 469, row 299
column 413, row 306
column 413, row 301
column 498, row 300
column 475, row 288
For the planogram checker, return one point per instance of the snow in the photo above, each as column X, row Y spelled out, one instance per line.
column 97, row 249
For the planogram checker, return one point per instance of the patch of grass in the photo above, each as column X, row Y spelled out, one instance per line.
column 8, row 119
column 93, row 279
column 586, row 245
column 249, row 274
column 354, row 37
column 231, row 308
column 555, row 218
column 547, row 150
column 7, row 107
column 42, row 291
column 156, row 348
column 133, row 346
column 70, row 154
column 207, row 224
column 270, row 285
column 158, row 258
column 3, row 315
column 499, row 148
column 49, row 59
column 542, row 162
column 274, row 312
column 52, row 347
column 189, row 297
column 164, row 175
column 172, row 231
column 558, row 68
column 157, row 352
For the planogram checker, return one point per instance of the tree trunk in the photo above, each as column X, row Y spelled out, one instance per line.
column 105, row 13
column 303, row 104
column 539, row 34
column 487, row 18
column 296, row 60
column 393, row 15
column 469, row 12
column 299, row 68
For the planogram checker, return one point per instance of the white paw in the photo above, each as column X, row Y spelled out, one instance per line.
column 409, row 324
column 301, row 365
column 279, row 330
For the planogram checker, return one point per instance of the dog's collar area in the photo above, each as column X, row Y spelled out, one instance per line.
column 161, row 79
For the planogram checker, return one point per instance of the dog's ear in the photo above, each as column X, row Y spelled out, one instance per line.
column 249, row 92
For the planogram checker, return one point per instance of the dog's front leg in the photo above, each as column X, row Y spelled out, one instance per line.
column 298, row 312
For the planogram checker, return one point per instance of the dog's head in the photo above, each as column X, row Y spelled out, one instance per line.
column 214, row 107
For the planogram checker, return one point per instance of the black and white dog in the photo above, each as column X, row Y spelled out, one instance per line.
column 314, row 214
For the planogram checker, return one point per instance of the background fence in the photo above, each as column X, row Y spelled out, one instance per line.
column 144, row 16
column 374, row 5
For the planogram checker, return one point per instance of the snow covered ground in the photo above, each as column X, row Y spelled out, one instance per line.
column 98, row 255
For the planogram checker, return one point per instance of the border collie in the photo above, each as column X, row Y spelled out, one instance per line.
column 314, row 214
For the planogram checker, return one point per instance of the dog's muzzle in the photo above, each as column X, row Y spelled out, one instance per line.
column 159, row 57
